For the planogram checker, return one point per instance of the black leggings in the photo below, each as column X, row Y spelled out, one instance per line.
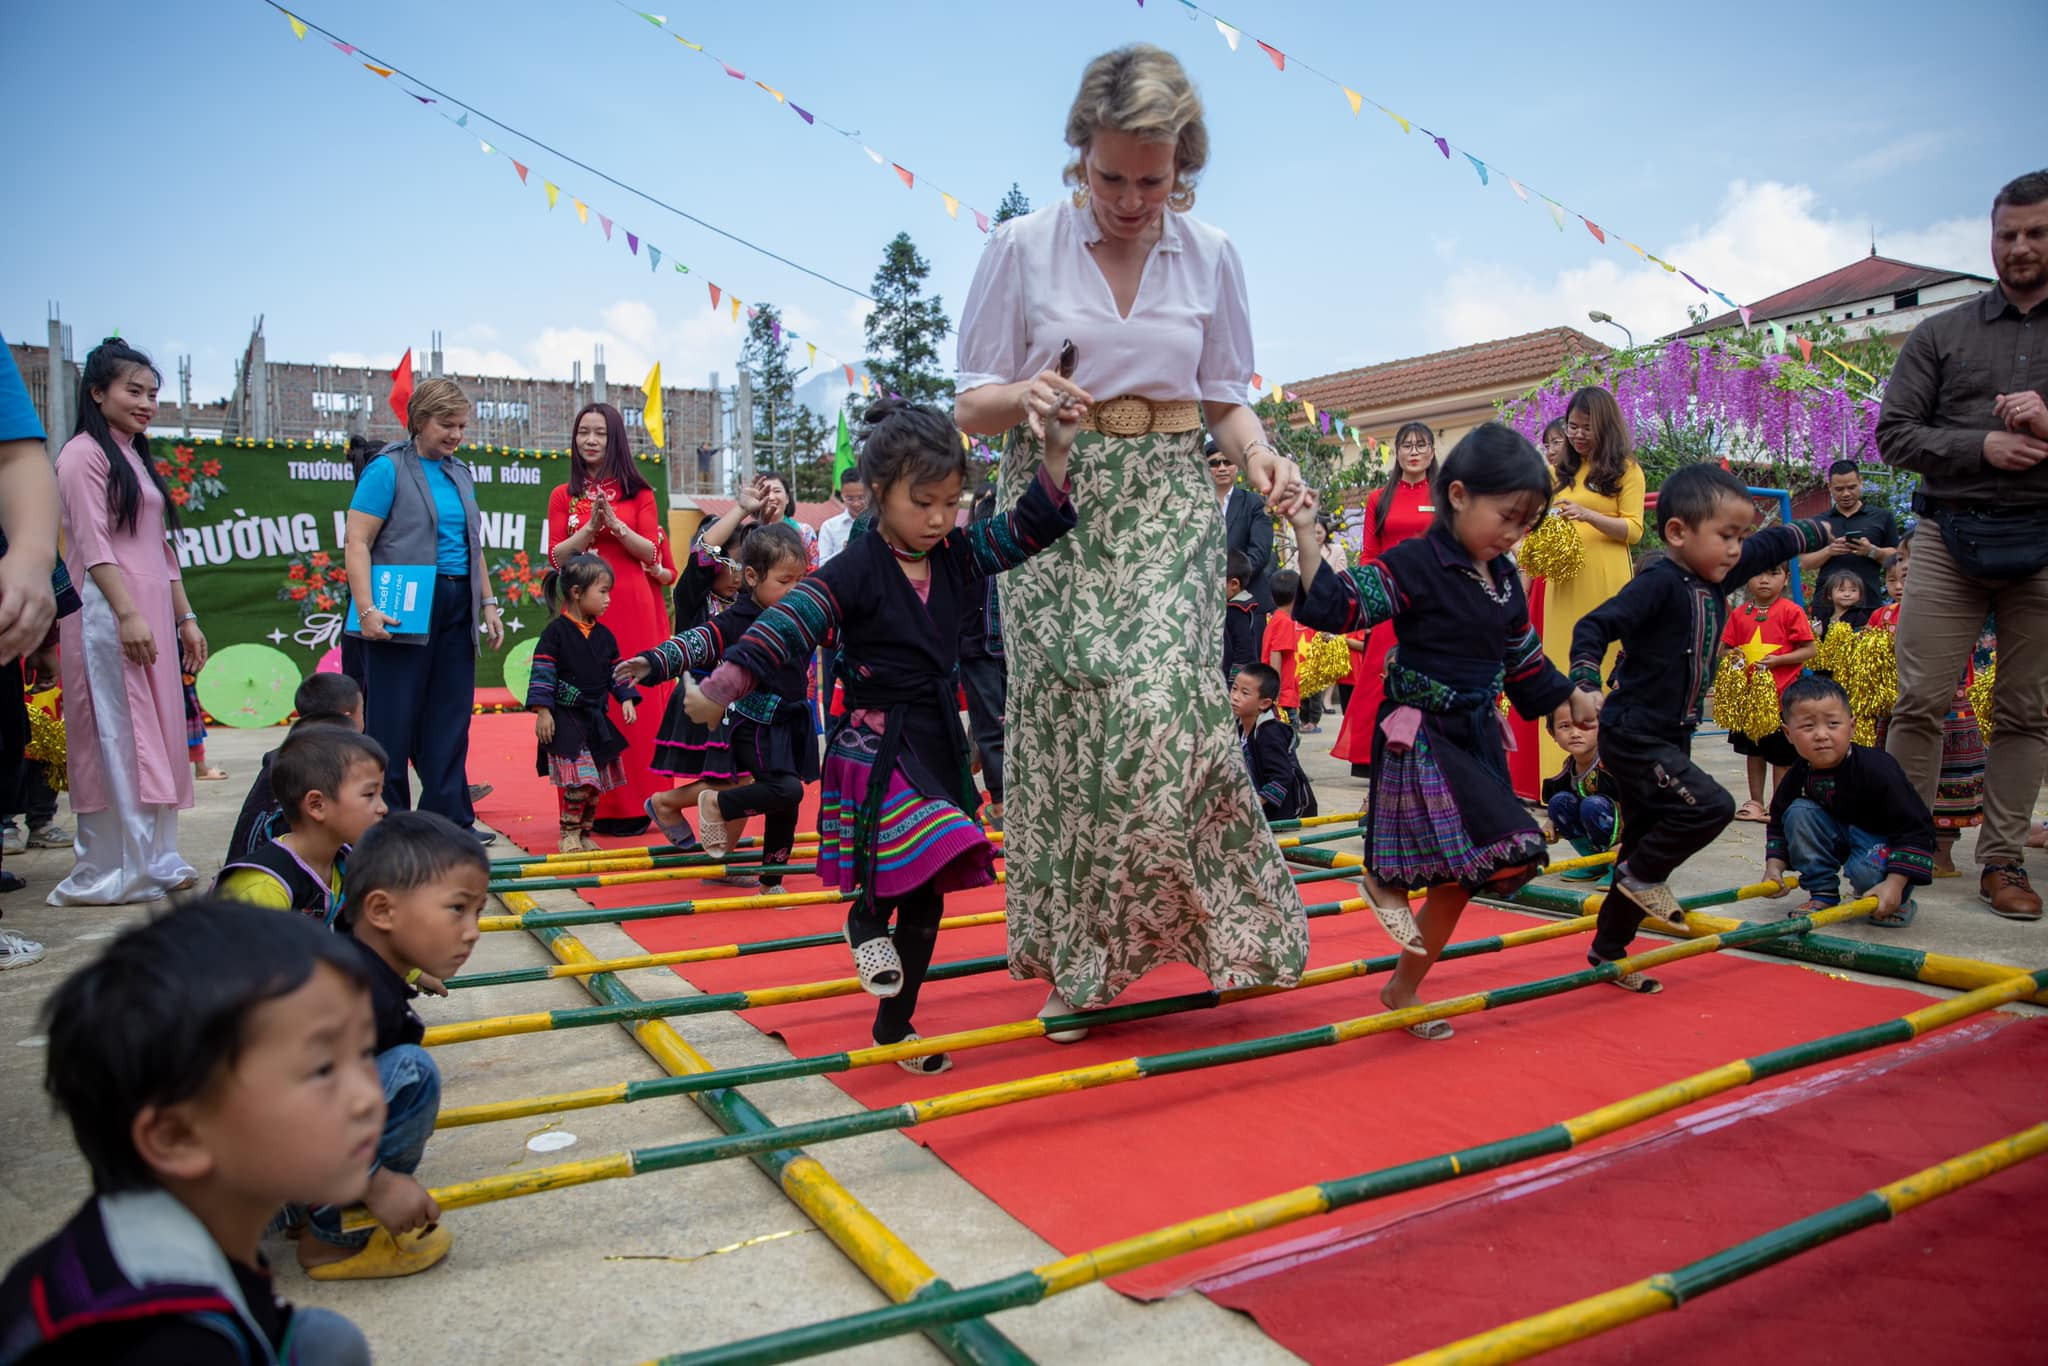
column 776, row 795
column 917, row 935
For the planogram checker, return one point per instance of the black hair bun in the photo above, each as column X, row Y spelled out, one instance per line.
column 882, row 409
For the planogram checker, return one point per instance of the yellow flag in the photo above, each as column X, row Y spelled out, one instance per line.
column 865, row 388
column 554, row 191
column 771, row 90
column 1398, row 119
column 735, row 308
column 582, row 211
column 1355, row 98
column 952, row 205
column 813, row 347
column 1308, row 411
column 652, row 413
column 298, row 26
column 694, row 47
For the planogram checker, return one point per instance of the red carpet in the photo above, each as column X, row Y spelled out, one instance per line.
column 1086, row 1168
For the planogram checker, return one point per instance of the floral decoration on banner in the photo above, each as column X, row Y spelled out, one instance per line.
column 516, row 577
column 314, row 581
column 192, row 482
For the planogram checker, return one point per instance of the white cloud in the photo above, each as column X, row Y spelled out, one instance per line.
column 1896, row 154
column 1765, row 237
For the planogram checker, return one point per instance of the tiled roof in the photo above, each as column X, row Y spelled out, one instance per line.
column 1515, row 361
column 1873, row 277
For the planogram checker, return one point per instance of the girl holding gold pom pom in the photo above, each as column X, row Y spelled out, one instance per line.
column 1768, row 629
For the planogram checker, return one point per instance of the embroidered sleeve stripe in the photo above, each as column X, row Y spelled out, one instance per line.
column 1586, row 673
column 1774, row 848
column 1379, row 597
column 1916, row 864
column 1274, row 792
column 793, row 627
column 1812, row 535
column 1525, row 655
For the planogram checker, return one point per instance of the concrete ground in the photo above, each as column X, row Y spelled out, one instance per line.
column 618, row 1271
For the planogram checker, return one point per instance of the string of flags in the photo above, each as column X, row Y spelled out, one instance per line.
column 1450, row 151
column 954, row 204
column 721, row 298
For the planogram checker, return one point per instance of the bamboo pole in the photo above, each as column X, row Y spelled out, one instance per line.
column 1671, row 1290
column 883, row 1257
column 624, row 861
column 622, row 1093
column 912, row 1113
column 1145, row 1249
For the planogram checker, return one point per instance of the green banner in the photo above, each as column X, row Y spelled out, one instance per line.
column 263, row 522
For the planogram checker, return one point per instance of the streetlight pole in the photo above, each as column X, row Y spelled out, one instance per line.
column 1599, row 317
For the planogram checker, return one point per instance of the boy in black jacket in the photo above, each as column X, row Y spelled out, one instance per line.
column 1669, row 619
column 1244, row 621
column 1845, row 808
column 1269, row 745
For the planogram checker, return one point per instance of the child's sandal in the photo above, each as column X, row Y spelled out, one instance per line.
column 1435, row 1031
column 1637, row 982
column 679, row 834
column 711, row 825
column 925, row 1065
column 880, row 969
column 1399, row 923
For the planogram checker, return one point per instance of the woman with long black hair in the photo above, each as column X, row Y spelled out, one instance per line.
column 124, row 699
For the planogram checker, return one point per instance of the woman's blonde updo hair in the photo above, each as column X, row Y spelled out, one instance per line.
column 1143, row 91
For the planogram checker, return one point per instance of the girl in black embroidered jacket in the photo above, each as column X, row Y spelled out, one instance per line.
column 1442, row 813
column 579, row 750
column 895, row 818
column 774, row 742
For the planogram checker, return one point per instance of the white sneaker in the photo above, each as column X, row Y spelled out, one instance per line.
column 1056, row 1004
column 17, row 952
column 51, row 836
column 14, row 841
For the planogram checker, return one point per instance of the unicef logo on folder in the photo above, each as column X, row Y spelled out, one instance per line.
column 399, row 591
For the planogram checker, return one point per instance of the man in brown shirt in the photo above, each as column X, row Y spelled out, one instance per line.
column 1967, row 409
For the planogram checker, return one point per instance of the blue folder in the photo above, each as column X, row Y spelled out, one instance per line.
column 404, row 593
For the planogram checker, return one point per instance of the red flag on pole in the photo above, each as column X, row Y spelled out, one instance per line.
column 401, row 388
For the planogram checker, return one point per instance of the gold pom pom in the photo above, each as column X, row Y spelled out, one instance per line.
column 1832, row 656
column 1980, row 695
column 1871, row 680
column 1553, row 551
column 46, row 739
column 1321, row 660
column 1758, row 711
column 1728, row 691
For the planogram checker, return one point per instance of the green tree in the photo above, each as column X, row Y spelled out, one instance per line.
column 905, row 329
column 1014, row 205
column 787, row 434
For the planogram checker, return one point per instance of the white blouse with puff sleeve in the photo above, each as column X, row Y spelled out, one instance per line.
column 1188, row 336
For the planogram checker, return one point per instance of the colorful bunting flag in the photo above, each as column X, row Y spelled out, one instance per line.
column 633, row 243
column 714, row 293
column 843, row 458
column 1516, row 186
column 1478, row 166
column 849, row 375
column 736, row 75
column 1805, row 349
column 521, row 168
column 813, row 346
column 1594, row 228
column 606, row 223
column 694, row 47
column 658, row 20
column 582, row 211
column 1777, row 336
column 298, row 26
column 383, row 71
column 488, row 149
column 771, row 90
column 909, row 180
column 651, row 415
column 1694, row 283
column 1441, row 146
column 803, row 114
column 1357, row 100
column 952, row 204
column 1308, row 412
column 735, row 308
column 1230, row 34
column 1744, row 311
column 866, row 389
column 347, row 49
column 1279, row 57
column 1398, row 119
column 981, row 220
column 1556, row 211
column 777, row 328
column 1657, row 260
column 553, row 191
column 653, row 256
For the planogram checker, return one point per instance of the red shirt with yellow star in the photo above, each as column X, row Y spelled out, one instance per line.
column 1781, row 624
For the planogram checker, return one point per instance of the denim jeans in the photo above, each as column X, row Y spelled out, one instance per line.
column 1588, row 822
column 412, row 1101
column 1818, row 847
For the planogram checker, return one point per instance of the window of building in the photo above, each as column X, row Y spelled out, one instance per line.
column 1906, row 299
column 328, row 401
column 501, row 410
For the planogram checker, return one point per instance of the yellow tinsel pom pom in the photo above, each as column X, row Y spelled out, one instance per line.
column 1553, row 551
column 1980, row 695
column 1321, row 660
column 1871, row 680
column 1832, row 655
column 1727, row 691
column 46, row 739
column 1745, row 698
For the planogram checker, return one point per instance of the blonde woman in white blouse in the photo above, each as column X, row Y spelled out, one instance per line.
column 1133, row 836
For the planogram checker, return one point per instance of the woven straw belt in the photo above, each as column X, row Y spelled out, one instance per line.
column 1129, row 415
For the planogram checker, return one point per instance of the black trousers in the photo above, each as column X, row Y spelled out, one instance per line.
column 773, row 795
column 917, row 936
column 988, row 690
column 418, row 702
column 1670, row 810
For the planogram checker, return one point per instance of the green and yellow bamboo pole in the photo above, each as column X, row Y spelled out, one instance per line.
column 724, row 868
column 625, row 861
column 1849, row 955
column 882, row 1256
column 628, row 1092
column 1659, row 1294
column 1325, row 858
column 1276, row 1211
column 912, row 1113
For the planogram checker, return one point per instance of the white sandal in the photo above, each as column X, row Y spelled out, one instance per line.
column 1056, row 1004
column 1399, row 923
column 880, row 969
column 711, row 824
column 926, row 1065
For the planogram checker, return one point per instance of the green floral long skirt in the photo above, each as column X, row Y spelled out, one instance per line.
column 1132, row 835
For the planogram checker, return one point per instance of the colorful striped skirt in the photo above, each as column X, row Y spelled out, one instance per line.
column 581, row 770
column 920, row 837
column 1442, row 810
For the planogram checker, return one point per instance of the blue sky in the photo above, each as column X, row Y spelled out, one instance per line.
column 180, row 168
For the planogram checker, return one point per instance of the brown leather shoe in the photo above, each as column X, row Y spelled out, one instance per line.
column 2005, row 889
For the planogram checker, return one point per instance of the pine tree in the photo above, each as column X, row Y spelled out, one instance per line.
column 905, row 329
column 1014, row 205
column 789, row 439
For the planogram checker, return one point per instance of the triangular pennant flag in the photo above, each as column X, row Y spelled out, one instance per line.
column 1805, row 349
column 651, row 415
column 659, row 21
column 1279, row 57
column 736, row 75
column 1308, row 411
column 1478, row 166
column 909, row 180
column 873, row 155
column 694, row 47
column 422, row 98
column 1325, row 418
column 1257, row 382
column 1357, row 100
column 1724, row 298
column 633, row 243
column 1398, row 119
column 965, row 444
column 802, row 113
column 1661, row 261
column 1276, row 393
column 778, row 333
column 1229, row 34
column 1777, row 335
column 519, row 167
column 606, row 223
column 849, row 375
column 1594, row 228
column 653, row 257
column 463, row 122
column 866, row 388
column 981, row 220
column 771, row 90
column 383, row 71
column 298, row 25
column 488, row 149
column 582, row 211
column 1441, row 146
column 753, row 313
column 1632, row 246
column 1516, row 186
column 553, row 191
column 735, row 308
column 1556, row 211
column 681, row 269
column 714, row 293
column 348, row 49
column 1744, row 311
column 1694, row 283
column 812, row 347
column 952, row 205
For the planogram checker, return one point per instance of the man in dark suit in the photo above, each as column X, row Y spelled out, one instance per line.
column 1247, row 527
